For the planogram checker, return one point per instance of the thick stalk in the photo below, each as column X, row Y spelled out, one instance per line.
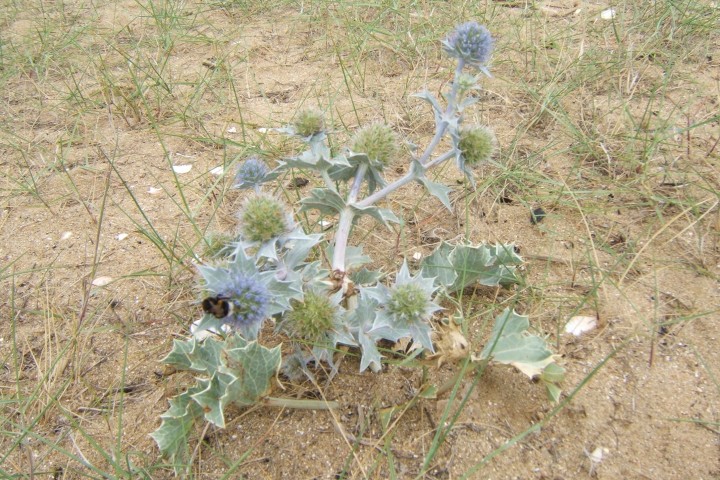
column 345, row 224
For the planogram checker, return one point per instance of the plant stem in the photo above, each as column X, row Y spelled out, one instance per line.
column 347, row 215
column 345, row 224
column 441, row 127
column 300, row 404
column 409, row 177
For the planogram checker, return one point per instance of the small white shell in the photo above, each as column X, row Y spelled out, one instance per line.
column 232, row 129
column 121, row 236
column 608, row 14
column 102, row 281
column 217, row 171
column 580, row 324
column 154, row 190
column 65, row 235
column 180, row 169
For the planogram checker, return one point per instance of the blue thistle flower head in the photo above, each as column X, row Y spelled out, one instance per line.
column 249, row 299
column 251, row 173
column 472, row 43
column 245, row 295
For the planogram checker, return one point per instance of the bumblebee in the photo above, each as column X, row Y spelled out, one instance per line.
column 219, row 306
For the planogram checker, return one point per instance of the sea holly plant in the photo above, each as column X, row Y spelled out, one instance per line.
column 276, row 273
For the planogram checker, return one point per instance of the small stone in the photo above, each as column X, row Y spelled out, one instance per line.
column 537, row 215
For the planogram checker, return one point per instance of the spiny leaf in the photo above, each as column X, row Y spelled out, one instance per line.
column 382, row 215
column 325, row 200
column 438, row 265
column 439, row 191
column 193, row 355
column 210, row 397
column 510, row 343
column 172, row 436
column 254, row 365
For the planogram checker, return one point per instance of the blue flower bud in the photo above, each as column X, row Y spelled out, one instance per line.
column 251, row 173
column 470, row 42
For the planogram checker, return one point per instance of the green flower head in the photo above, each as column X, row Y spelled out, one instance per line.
column 408, row 308
column 308, row 123
column 378, row 142
column 313, row 319
column 263, row 218
column 477, row 144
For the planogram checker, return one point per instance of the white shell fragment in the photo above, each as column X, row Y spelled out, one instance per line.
column 65, row 235
column 417, row 256
column 232, row 129
column 180, row 169
column 201, row 335
column 121, row 236
column 325, row 224
column 608, row 14
column 102, row 281
column 217, row 171
column 580, row 324
column 597, row 455
column 154, row 190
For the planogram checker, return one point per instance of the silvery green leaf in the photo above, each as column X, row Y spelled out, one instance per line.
column 209, row 397
column 313, row 274
column 241, row 263
column 354, row 256
column 215, row 277
column 385, row 328
column 510, row 343
column 373, row 175
column 490, row 266
column 438, row 190
column 553, row 392
column 255, row 366
column 469, row 263
column 467, row 101
column 179, row 356
column 281, row 291
column 172, row 437
column 458, row 266
column 430, row 98
column 438, row 265
column 208, row 325
column 267, row 250
column 365, row 277
column 420, row 333
column 298, row 247
column 193, row 355
column 316, row 157
column 325, row 200
column 370, row 354
column 382, row 215
column 505, row 255
column 361, row 322
column 551, row 375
